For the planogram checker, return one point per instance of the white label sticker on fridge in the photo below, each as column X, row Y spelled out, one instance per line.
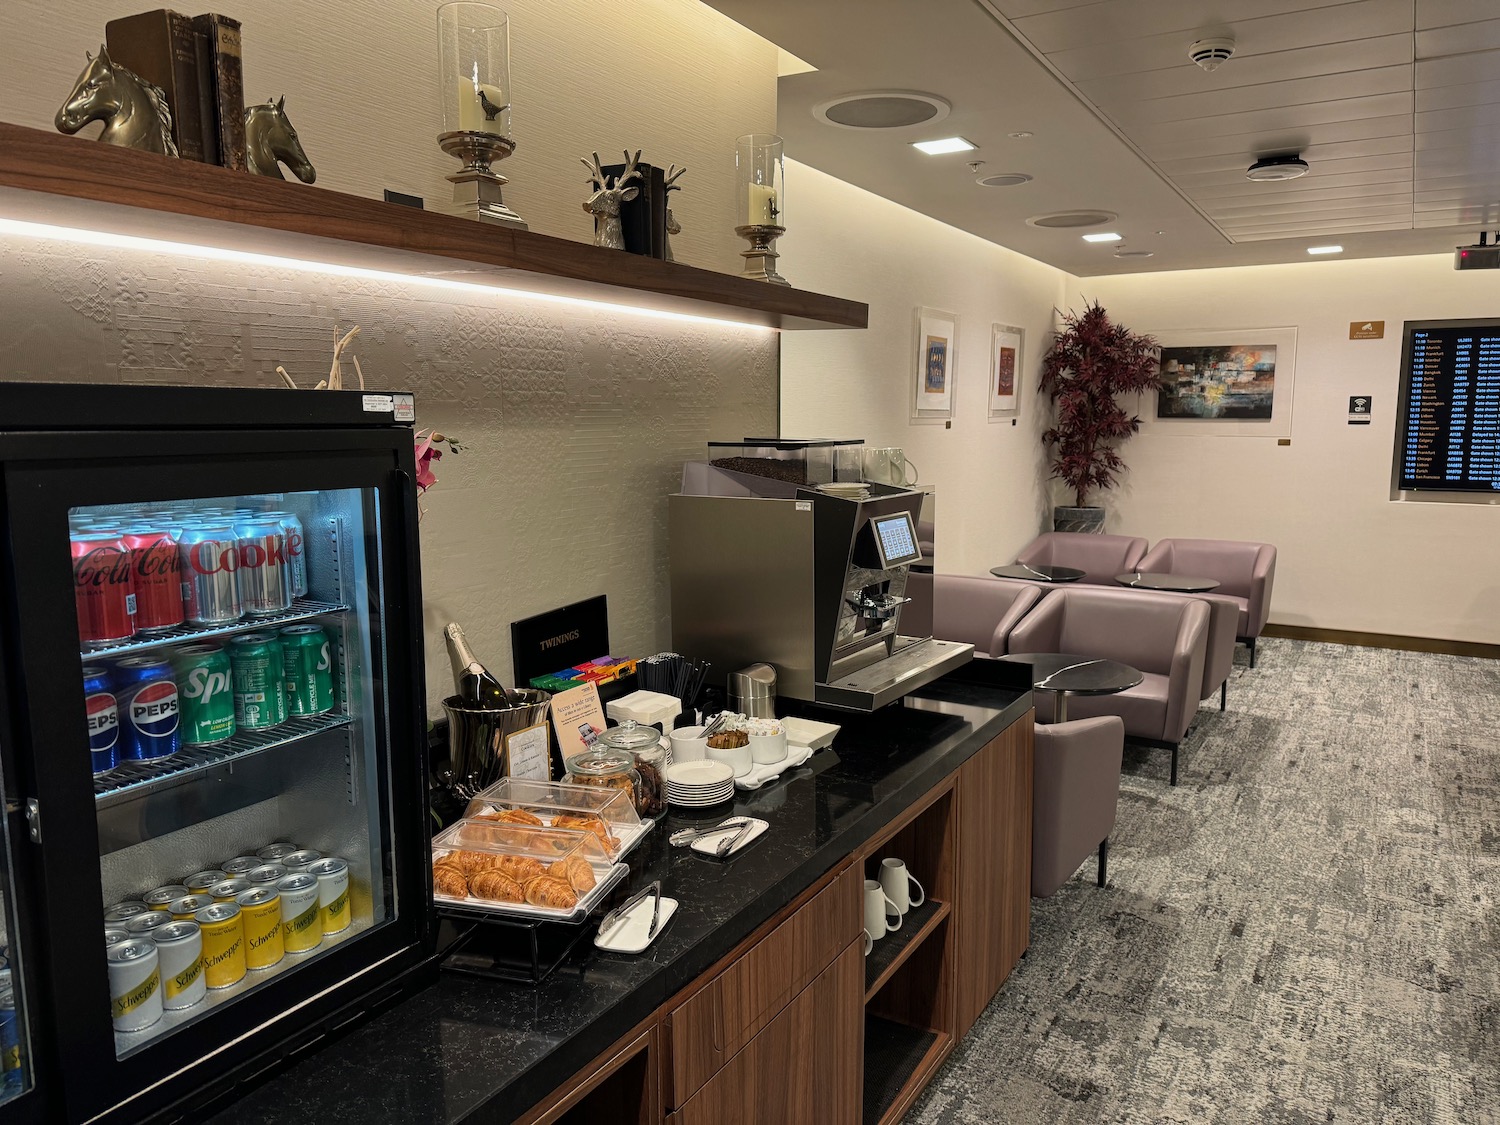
column 406, row 408
column 378, row 404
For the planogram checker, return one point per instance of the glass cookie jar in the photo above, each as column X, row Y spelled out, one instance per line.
column 606, row 767
column 642, row 744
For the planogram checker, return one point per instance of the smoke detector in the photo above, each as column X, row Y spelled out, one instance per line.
column 1210, row 53
column 1277, row 168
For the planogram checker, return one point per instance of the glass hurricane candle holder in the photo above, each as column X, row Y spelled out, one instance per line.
column 474, row 77
column 760, row 203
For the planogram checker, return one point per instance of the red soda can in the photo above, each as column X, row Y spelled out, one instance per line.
column 103, row 588
column 156, row 566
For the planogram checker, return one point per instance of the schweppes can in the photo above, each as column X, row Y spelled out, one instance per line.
column 162, row 897
column 199, row 882
column 260, row 911
column 134, row 984
column 241, row 865
column 267, row 875
column 113, row 934
column 272, row 853
column 180, row 949
column 299, row 861
column 143, row 925
column 182, row 909
column 122, row 912
column 333, row 893
column 223, row 944
column 229, row 889
column 300, row 923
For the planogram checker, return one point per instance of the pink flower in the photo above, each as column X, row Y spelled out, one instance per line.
column 426, row 453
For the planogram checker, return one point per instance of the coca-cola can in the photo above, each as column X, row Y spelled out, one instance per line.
column 210, row 564
column 156, row 566
column 265, row 578
column 296, row 550
column 103, row 588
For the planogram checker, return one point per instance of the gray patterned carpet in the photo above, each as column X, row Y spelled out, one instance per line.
column 1305, row 930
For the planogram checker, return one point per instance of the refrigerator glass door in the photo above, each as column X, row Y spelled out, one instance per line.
column 15, row 1048
column 232, row 675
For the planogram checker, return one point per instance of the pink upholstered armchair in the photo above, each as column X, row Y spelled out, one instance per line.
column 1245, row 572
column 981, row 611
column 1075, row 787
column 1100, row 557
column 1162, row 635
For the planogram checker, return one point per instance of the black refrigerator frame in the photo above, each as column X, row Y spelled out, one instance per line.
column 63, row 445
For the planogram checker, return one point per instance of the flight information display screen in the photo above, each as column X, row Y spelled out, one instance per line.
column 1448, row 428
column 897, row 540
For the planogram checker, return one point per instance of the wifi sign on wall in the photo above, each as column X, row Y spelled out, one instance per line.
column 1359, row 410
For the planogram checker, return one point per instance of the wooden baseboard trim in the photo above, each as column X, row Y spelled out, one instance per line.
column 1383, row 640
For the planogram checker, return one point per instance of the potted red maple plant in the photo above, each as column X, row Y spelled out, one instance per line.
column 1092, row 360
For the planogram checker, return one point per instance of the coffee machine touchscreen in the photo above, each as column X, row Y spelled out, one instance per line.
column 896, row 540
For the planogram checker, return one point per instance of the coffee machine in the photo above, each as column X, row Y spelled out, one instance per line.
column 807, row 580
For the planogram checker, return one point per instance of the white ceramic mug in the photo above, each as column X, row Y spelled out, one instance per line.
column 888, row 465
column 897, row 883
column 869, row 943
column 767, row 749
column 878, row 908
column 688, row 744
column 738, row 757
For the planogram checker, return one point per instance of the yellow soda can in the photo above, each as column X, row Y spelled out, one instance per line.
column 260, row 911
column 333, row 893
column 301, row 926
column 223, row 944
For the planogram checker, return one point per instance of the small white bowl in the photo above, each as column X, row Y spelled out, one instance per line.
column 767, row 749
column 688, row 744
column 737, row 757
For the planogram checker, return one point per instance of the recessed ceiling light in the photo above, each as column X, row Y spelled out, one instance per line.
column 1102, row 236
column 1325, row 249
column 1021, row 136
column 943, row 146
column 1278, row 168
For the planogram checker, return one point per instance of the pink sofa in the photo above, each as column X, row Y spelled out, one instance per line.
column 1075, row 787
column 1245, row 572
column 1100, row 557
column 979, row 610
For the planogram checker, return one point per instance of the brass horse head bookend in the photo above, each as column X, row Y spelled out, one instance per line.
column 134, row 112
column 271, row 140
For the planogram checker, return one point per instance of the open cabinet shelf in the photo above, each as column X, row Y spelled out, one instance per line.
column 898, row 1058
column 892, row 951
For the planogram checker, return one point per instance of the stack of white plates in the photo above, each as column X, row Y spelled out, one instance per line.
column 847, row 490
column 699, row 784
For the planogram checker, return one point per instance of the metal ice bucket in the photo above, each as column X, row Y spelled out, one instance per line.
column 476, row 738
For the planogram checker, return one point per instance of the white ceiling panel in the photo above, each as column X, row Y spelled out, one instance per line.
column 1443, row 13
column 1355, row 195
column 1452, row 97
column 1318, row 232
column 1398, row 163
column 1399, row 209
column 1271, row 95
column 1480, row 119
column 1015, row 9
column 1457, row 70
column 1281, row 140
column 1391, row 181
column 1319, row 155
column 1280, row 118
column 1459, row 39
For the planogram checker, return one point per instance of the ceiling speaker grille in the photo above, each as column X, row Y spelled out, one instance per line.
column 882, row 109
column 1067, row 220
column 1004, row 179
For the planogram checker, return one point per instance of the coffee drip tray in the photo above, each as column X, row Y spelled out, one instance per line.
column 916, row 664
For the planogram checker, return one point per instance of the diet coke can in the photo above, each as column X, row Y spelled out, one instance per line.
column 210, row 560
column 103, row 588
column 265, row 578
column 296, row 550
column 156, row 566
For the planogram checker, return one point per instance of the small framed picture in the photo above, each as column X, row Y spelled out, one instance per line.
column 1006, row 352
column 936, row 365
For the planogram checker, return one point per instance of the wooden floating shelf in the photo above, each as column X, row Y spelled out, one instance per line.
column 891, row 951
column 899, row 1062
column 46, row 177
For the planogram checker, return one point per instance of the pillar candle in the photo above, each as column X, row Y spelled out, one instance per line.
column 471, row 112
column 762, row 206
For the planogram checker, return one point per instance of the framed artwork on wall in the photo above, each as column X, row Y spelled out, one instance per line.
column 1234, row 382
column 1007, row 345
column 936, row 365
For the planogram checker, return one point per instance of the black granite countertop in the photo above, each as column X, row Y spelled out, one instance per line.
column 466, row 1048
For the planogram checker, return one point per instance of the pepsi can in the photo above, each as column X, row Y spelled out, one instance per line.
column 210, row 560
column 149, row 727
column 103, row 712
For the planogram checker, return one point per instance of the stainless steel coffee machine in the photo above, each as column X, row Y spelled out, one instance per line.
column 810, row 582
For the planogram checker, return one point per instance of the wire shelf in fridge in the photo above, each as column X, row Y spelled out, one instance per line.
column 131, row 780
column 303, row 609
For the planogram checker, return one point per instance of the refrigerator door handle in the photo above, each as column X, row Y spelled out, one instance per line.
column 34, row 819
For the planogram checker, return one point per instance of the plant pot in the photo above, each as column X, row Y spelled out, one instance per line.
column 1090, row 521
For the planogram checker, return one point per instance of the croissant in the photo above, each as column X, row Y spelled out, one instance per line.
column 551, row 892
column 518, row 867
column 519, row 816
column 471, row 862
column 497, row 886
column 589, row 824
column 449, row 880
column 576, row 870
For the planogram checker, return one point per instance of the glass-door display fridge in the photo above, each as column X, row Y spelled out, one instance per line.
column 213, row 734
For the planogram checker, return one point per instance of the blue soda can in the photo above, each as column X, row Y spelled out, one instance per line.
column 102, row 709
column 147, row 694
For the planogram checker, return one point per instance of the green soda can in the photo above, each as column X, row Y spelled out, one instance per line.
column 309, row 670
column 205, row 694
column 259, row 673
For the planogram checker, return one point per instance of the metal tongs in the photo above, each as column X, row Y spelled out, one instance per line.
column 685, row 836
column 617, row 915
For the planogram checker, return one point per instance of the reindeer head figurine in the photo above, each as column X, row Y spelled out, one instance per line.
column 670, row 185
column 604, row 204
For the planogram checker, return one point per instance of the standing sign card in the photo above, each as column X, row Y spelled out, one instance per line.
column 578, row 719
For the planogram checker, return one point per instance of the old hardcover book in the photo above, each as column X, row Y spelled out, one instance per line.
column 208, row 117
column 160, row 47
column 229, row 86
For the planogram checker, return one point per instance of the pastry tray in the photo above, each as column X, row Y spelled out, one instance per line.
column 549, row 798
column 547, row 845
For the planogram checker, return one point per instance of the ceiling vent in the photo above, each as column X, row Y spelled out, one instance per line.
column 1211, row 53
column 1067, row 220
column 1123, row 253
column 1004, row 179
column 1277, row 168
column 882, row 109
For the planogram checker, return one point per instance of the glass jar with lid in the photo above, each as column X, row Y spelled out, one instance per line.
column 642, row 744
column 606, row 768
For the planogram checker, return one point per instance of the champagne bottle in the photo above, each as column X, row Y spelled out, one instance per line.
column 473, row 681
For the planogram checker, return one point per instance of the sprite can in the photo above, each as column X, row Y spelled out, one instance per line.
column 259, row 672
column 205, row 694
column 309, row 670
